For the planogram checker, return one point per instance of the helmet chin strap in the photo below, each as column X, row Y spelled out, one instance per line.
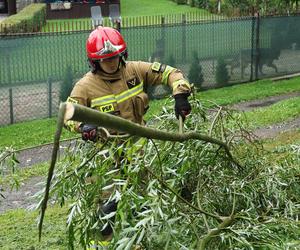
column 118, row 68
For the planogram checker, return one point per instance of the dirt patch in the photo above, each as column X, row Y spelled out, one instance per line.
column 247, row 106
column 40, row 154
column 273, row 130
column 21, row 198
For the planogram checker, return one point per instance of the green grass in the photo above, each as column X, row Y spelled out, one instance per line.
column 21, row 175
column 250, row 91
column 283, row 139
column 19, row 230
column 31, row 133
column 134, row 13
column 42, row 131
column 157, row 7
column 239, row 93
column 283, row 111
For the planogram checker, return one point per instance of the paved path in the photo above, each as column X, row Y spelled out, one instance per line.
column 40, row 154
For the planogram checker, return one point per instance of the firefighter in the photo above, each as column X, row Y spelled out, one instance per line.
column 118, row 87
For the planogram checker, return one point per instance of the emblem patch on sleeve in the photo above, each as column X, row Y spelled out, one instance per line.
column 156, row 66
column 132, row 82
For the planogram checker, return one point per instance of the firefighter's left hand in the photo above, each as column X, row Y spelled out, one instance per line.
column 182, row 105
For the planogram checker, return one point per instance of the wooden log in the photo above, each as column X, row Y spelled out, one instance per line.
column 87, row 115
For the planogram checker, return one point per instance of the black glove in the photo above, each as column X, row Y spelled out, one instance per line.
column 88, row 132
column 182, row 105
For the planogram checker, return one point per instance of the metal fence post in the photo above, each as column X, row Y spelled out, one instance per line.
column 257, row 54
column 118, row 26
column 11, row 106
column 163, row 38
column 183, row 38
column 255, row 47
column 50, row 97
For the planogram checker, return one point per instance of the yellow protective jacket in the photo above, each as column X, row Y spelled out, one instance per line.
column 123, row 93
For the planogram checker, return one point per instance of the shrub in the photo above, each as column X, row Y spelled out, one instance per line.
column 67, row 84
column 171, row 61
column 195, row 73
column 222, row 76
column 213, row 6
column 29, row 19
column 191, row 3
column 181, row 1
column 201, row 3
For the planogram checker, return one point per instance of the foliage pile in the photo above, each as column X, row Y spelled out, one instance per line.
column 183, row 195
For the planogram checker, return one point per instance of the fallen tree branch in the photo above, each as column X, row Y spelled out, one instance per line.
column 87, row 115
column 227, row 221
column 75, row 112
column 60, row 124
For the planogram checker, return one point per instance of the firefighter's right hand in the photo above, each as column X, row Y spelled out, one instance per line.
column 89, row 132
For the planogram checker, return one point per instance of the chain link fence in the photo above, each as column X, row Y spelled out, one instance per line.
column 33, row 67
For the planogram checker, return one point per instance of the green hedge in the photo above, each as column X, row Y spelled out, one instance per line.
column 29, row 19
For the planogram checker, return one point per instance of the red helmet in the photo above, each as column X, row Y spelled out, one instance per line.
column 105, row 42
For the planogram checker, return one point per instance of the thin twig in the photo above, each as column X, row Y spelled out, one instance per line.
column 214, row 121
column 86, row 161
column 158, row 156
column 198, row 201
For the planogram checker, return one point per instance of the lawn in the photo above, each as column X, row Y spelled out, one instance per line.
column 136, row 13
column 18, row 230
column 38, row 132
column 159, row 7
